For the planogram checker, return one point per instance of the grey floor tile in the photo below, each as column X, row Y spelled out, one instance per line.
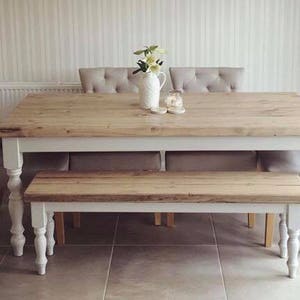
column 74, row 272
column 256, row 273
column 232, row 229
column 190, row 229
column 165, row 272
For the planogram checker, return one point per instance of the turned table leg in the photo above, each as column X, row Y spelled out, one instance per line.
column 293, row 224
column 40, row 249
column 39, row 223
column 16, row 209
column 283, row 232
column 293, row 249
column 50, row 233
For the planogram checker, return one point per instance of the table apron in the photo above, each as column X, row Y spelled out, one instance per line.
column 163, row 207
column 180, row 143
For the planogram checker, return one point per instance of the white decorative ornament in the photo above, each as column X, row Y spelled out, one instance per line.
column 149, row 89
column 174, row 103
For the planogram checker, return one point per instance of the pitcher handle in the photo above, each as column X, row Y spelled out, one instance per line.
column 164, row 79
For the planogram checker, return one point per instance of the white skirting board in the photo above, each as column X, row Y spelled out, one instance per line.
column 12, row 92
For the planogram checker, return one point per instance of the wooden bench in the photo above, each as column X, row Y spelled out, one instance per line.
column 210, row 192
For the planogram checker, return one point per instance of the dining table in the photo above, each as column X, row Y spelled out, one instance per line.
column 115, row 122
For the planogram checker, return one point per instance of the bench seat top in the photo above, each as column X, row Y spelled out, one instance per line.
column 193, row 187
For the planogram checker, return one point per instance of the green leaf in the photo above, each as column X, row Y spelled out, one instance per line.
column 138, row 52
column 153, row 47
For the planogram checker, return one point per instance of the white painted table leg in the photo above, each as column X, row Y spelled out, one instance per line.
column 50, row 233
column 16, row 209
column 40, row 244
column 293, row 249
column 283, row 236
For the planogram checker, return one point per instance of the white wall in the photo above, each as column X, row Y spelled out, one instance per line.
column 48, row 40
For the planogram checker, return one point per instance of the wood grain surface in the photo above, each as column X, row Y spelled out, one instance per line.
column 194, row 187
column 109, row 115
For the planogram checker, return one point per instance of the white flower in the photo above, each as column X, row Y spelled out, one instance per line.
column 151, row 59
column 154, row 68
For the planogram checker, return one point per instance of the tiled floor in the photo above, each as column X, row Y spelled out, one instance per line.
column 126, row 257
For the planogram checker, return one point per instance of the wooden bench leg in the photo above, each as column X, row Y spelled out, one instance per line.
column 157, row 219
column 251, row 220
column 269, row 230
column 76, row 219
column 170, row 220
column 60, row 228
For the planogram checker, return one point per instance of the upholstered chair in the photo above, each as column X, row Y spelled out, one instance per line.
column 279, row 161
column 112, row 80
column 207, row 80
column 204, row 80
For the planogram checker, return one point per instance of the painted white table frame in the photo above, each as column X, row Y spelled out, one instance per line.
column 13, row 149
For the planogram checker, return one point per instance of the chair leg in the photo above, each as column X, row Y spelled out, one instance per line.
column 170, row 220
column 157, row 219
column 76, row 219
column 269, row 230
column 60, row 228
column 251, row 220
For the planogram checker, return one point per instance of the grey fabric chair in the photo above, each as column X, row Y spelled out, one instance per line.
column 279, row 161
column 109, row 80
column 206, row 80
column 112, row 80
column 203, row 80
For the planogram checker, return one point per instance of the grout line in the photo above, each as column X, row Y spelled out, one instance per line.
column 110, row 258
column 164, row 245
column 218, row 253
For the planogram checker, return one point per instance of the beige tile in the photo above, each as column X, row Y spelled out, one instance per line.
column 73, row 273
column 140, row 229
column 256, row 273
column 96, row 228
column 165, row 272
column 34, row 287
column 232, row 229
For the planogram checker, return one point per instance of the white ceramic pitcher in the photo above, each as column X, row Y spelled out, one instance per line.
column 149, row 89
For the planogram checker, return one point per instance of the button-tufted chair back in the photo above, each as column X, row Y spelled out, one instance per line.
column 200, row 80
column 109, row 80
